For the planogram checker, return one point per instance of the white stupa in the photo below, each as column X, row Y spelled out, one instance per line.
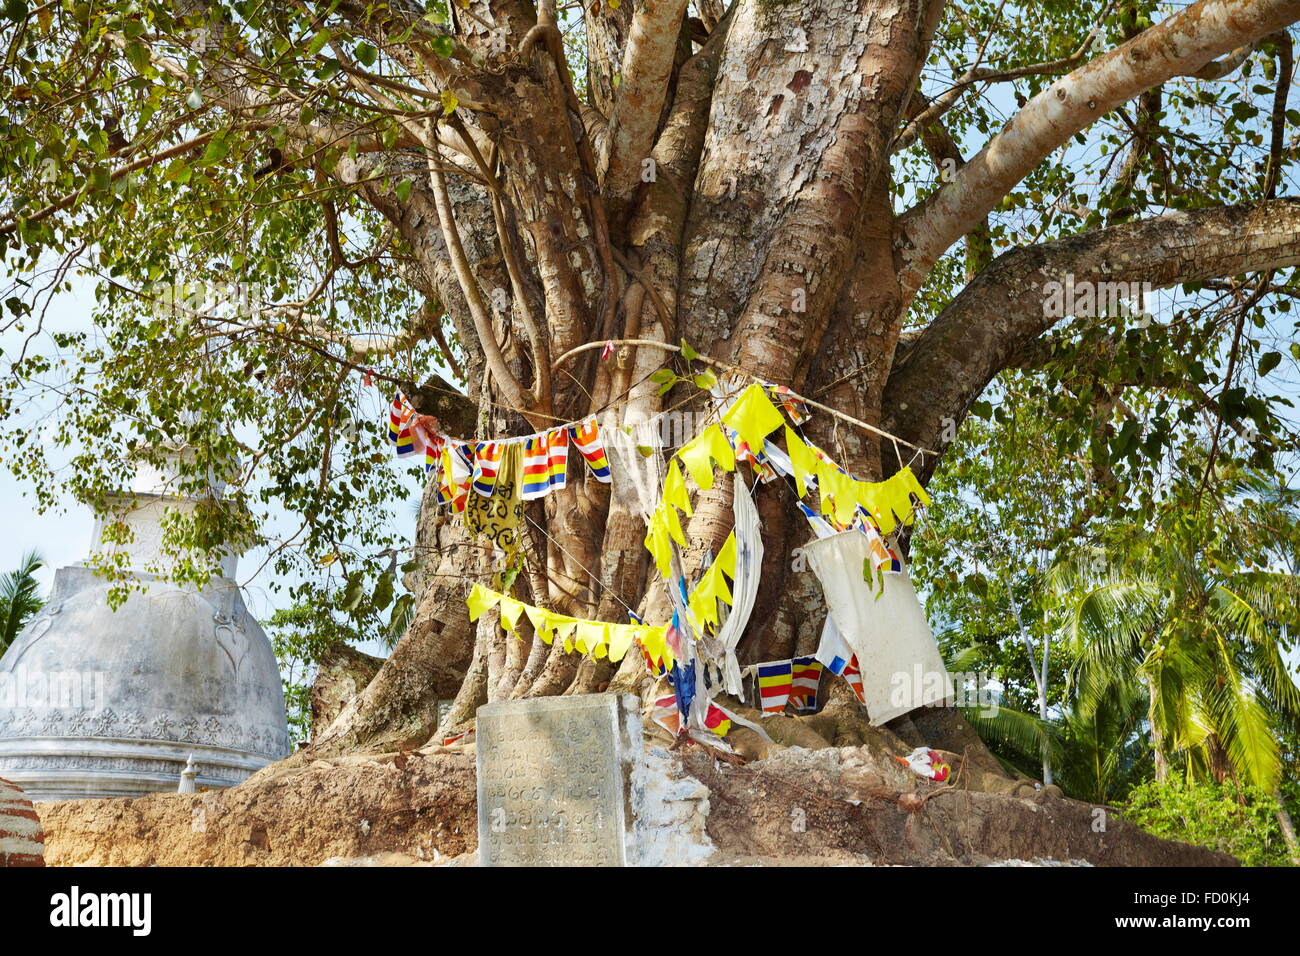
column 96, row 702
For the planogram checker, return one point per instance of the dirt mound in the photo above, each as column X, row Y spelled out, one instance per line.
column 849, row 805
column 421, row 806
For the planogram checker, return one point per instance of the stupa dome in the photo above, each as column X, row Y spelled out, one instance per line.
column 97, row 702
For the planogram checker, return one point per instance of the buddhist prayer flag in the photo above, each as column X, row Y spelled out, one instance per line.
column 586, row 436
column 487, row 460
column 666, row 715
column 433, row 445
column 806, row 675
column 883, row 557
column 546, row 459
column 399, row 427
column 854, row 677
column 716, row 719
column 833, row 650
column 774, row 681
column 792, row 405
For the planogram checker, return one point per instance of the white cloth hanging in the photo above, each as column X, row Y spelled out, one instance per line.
column 897, row 654
column 637, row 478
column 744, row 589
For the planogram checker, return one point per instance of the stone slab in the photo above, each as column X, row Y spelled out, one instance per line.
column 554, row 780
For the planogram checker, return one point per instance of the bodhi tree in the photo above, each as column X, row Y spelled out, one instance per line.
column 863, row 200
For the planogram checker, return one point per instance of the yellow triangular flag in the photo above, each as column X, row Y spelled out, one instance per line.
column 660, row 546
column 510, row 611
column 589, row 636
column 802, row 461
column 726, row 558
column 753, row 417
column 563, row 628
column 620, row 639
column 700, row 452
column 666, row 517
column 912, row 485
column 481, row 599
column 674, row 491
column 541, row 619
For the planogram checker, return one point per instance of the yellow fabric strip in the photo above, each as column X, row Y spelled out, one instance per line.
column 753, row 417
column 599, row 639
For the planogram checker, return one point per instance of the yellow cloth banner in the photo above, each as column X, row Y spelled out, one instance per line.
column 802, row 461
column 699, row 454
column 598, row 639
column 674, row 490
column 753, row 417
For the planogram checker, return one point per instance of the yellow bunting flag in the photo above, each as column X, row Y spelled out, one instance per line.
column 674, row 490
column 599, row 639
column 666, row 516
column 543, row 622
column 659, row 544
column 654, row 641
column 699, row 454
column 480, row 600
column 510, row 611
column 839, row 488
column 564, row 626
column 726, row 559
column 711, row 589
column 802, row 461
column 753, row 417
column 620, row 639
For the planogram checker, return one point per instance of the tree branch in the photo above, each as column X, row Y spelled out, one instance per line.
column 639, row 101
column 992, row 321
column 496, row 361
column 1180, row 44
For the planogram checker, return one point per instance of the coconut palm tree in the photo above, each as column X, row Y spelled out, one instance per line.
column 19, row 598
column 1188, row 615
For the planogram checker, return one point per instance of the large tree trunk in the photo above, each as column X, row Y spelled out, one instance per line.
column 766, row 237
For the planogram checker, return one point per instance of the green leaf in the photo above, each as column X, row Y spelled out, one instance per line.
column 443, row 45
column 449, row 102
column 318, row 41
column 365, row 54
column 689, row 353
column 383, row 595
column 1269, row 361
column 403, row 189
column 178, row 171
column 705, row 380
column 660, row 376
column 352, row 593
column 137, row 54
column 216, row 150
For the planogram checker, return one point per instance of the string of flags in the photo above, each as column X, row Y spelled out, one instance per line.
column 596, row 639
column 706, row 620
column 797, row 682
column 465, row 464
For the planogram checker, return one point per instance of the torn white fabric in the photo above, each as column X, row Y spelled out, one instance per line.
column 637, row 477
column 897, row 654
column 744, row 589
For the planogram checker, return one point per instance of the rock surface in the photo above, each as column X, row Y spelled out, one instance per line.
column 833, row 805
